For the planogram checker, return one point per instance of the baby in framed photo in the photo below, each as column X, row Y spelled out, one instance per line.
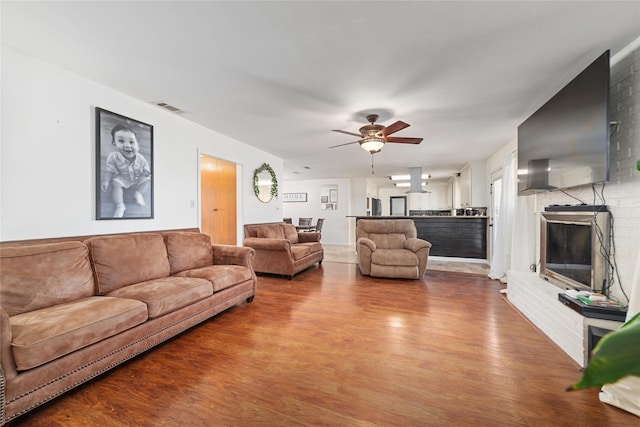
column 124, row 167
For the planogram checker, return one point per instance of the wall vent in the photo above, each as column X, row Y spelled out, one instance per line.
column 168, row 107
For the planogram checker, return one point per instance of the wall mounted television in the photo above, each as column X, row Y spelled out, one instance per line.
column 565, row 143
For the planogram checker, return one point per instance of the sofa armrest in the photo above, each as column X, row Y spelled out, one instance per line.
column 268, row 244
column 364, row 241
column 414, row 244
column 365, row 248
column 7, row 364
column 308, row 236
column 232, row 255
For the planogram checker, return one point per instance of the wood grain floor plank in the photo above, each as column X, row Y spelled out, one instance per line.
column 334, row 348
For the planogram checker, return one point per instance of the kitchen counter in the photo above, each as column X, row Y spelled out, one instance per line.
column 450, row 236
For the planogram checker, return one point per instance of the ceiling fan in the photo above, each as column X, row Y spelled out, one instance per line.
column 373, row 136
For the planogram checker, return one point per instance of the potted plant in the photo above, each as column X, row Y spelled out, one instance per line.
column 616, row 356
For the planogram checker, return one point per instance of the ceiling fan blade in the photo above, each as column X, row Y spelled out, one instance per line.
column 399, row 125
column 404, row 140
column 348, row 133
column 340, row 145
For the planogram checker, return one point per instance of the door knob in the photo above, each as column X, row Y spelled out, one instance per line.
column 214, row 209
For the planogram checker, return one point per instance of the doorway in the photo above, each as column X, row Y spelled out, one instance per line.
column 218, row 210
column 494, row 209
column 398, row 205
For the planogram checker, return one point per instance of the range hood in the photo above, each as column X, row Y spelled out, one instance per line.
column 415, row 184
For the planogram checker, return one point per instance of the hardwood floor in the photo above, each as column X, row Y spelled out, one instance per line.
column 334, row 348
column 337, row 253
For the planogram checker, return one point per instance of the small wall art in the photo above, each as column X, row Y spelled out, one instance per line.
column 294, row 197
column 329, row 197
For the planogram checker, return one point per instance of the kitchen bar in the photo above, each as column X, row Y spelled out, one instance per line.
column 450, row 236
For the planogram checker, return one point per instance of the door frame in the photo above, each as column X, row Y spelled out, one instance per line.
column 496, row 175
column 404, row 200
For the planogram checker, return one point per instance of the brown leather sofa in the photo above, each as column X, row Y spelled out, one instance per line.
column 280, row 249
column 71, row 310
column 390, row 248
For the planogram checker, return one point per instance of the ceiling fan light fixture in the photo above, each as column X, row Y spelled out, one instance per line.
column 372, row 144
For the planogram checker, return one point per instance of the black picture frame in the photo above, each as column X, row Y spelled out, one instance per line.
column 125, row 177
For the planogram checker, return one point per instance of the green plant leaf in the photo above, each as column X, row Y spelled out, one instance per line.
column 616, row 356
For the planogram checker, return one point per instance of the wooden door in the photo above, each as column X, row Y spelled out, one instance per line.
column 218, row 199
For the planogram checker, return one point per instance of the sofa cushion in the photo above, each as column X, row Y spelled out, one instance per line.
column 39, row 276
column 270, row 232
column 400, row 257
column 126, row 259
column 188, row 250
column 220, row 276
column 300, row 251
column 43, row 335
column 166, row 294
column 290, row 233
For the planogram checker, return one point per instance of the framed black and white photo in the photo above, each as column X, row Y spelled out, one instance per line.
column 124, row 167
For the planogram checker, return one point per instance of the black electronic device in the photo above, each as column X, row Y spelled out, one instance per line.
column 593, row 311
column 576, row 208
column 565, row 143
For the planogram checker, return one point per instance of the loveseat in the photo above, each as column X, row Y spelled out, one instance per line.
column 390, row 248
column 71, row 310
column 281, row 249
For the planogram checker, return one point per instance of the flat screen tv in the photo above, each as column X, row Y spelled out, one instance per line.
column 565, row 143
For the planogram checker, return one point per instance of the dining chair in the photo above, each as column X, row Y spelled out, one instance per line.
column 318, row 226
column 304, row 221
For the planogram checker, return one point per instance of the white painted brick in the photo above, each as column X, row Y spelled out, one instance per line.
column 537, row 300
column 622, row 192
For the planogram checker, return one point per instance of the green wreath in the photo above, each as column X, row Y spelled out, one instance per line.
column 274, row 180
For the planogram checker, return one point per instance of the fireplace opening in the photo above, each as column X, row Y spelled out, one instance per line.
column 574, row 247
column 594, row 334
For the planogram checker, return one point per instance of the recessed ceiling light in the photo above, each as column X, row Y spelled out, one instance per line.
column 407, row 184
column 407, row 177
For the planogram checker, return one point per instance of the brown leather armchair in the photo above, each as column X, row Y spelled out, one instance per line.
column 390, row 248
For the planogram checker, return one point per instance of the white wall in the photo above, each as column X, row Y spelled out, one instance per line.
column 47, row 156
column 494, row 163
column 336, row 229
column 622, row 192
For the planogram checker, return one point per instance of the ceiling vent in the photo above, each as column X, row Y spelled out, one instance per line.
column 168, row 107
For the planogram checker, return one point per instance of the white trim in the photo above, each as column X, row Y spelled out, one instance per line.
column 624, row 52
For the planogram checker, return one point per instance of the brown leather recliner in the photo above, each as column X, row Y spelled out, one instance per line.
column 390, row 248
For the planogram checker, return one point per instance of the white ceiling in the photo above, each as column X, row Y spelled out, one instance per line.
column 281, row 75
